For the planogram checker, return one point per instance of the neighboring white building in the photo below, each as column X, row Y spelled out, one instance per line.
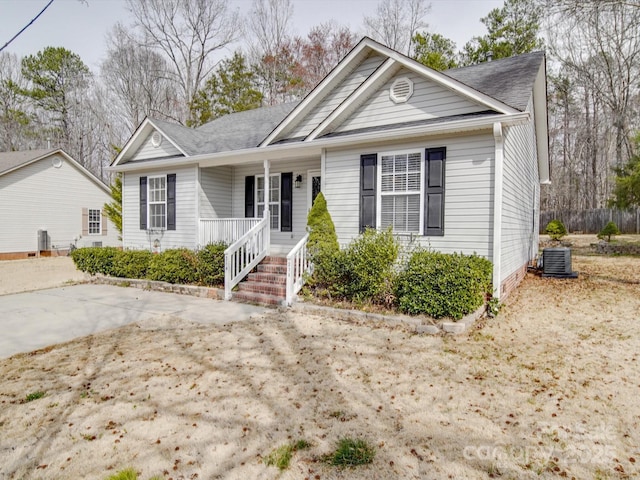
column 48, row 201
column 451, row 160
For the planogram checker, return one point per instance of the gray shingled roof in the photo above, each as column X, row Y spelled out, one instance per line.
column 509, row 80
column 11, row 160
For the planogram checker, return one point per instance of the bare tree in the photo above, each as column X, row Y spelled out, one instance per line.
column 188, row 32
column 396, row 22
column 138, row 79
column 15, row 118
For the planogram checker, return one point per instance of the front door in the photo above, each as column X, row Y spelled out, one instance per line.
column 314, row 186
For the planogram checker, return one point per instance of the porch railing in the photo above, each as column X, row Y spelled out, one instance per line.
column 244, row 254
column 298, row 265
column 227, row 230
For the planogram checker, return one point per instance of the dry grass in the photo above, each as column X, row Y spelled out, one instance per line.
column 547, row 389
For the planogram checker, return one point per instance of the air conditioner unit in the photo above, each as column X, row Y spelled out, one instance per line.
column 556, row 262
column 43, row 240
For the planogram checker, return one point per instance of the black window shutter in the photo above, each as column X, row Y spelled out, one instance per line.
column 249, row 196
column 368, row 164
column 286, row 202
column 143, row 203
column 434, row 191
column 171, row 201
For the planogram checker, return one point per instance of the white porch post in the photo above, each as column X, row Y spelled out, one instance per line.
column 498, row 182
column 267, row 199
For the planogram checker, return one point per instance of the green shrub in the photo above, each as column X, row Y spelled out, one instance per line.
column 555, row 229
column 323, row 243
column 132, row 263
column 443, row 285
column 210, row 270
column 608, row 230
column 95, row 259
column 174, row 266
column 365, row 267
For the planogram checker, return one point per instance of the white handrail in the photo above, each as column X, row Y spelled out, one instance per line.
column 298, row 265
column 227, row 230
column 244, row 254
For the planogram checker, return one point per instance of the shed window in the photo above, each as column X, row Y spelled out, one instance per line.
column 95, row 226
column 400, row 192
column 158, row 202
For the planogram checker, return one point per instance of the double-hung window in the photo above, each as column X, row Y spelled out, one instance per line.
column 401, row 196
column 157, row 202
column 94, row 224
column 273, row 199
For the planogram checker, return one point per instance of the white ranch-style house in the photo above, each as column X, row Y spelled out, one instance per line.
column 452, row 160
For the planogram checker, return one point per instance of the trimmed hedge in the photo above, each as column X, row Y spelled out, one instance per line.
column 443, row 285
column 205, row 267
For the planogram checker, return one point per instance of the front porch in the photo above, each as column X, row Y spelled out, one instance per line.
column 249, row 241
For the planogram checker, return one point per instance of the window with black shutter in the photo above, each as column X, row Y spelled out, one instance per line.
column 434, row 191
column 368, row 164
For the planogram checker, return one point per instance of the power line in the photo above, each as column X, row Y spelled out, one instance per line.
column 26, row 26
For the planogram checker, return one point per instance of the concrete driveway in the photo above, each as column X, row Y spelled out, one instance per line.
column 33, row 320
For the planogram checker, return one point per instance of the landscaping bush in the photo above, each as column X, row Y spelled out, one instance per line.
column 132, row 263
column 443, row 285
column 95, row 259
column 609, row 229
column 555, row 229
column 174, row 266
column 323, row 244
column 365, row 267
column 210, row 270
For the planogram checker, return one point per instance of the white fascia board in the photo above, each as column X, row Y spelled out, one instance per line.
column 314, row 149
column 542, row 125
column 366, row 88
column 314, row 97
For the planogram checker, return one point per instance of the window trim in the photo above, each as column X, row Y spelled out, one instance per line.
column 258, row 203
column 380, row 194
column 149, row 202
column 89, row 221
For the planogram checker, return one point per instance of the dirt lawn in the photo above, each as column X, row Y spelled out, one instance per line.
column 547, row 389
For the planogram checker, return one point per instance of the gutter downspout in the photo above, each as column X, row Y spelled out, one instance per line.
column 498, row 187
column 267, row 199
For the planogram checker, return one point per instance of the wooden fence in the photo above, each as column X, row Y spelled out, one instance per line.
column 592, row 221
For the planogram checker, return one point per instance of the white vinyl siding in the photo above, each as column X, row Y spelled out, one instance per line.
column 147, row 150
column 41, row 197
column 468, row 191
column 186, row 232
column 400, row 182
column 215, row 192
column 429, row 100
column 337, row 96
column 520, row 197
column 281, row 242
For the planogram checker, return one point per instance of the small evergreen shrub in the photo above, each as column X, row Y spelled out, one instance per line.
column 211, row 264
column 323, row 243
column 174, row 266
column 443, row 285
column 609, row 229
column 95, row 259
column 132, row 263
column 365, row 267
column 555, row 229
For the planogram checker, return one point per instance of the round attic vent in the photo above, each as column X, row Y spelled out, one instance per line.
column 156, row 139
column 401, row 90
column 56, row 162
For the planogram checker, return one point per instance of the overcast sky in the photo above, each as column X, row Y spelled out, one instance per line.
column 82, row 26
